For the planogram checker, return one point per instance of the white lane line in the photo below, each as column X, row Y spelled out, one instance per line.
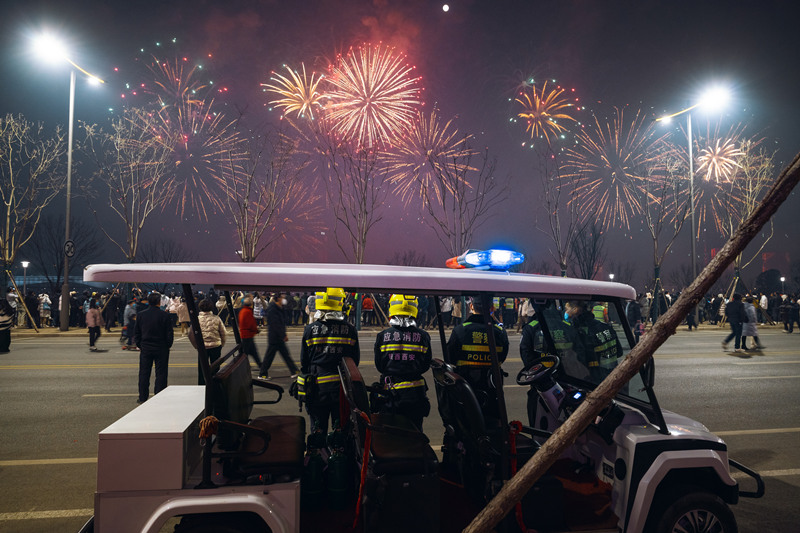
column 772, row 431
column 32, row 515
column 38, row 462
column 769, row 377
column 107, row 395
column 769, row 473
column 769, row 363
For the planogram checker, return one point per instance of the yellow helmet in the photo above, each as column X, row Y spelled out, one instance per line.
column 403, row 304
column 330, row 300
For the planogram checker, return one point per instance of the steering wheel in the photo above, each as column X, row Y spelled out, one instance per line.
column 544, row 367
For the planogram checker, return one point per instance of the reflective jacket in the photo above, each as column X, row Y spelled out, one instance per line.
column 325, row 343
column 599, row 341
column 468, row 350
column 403, row 353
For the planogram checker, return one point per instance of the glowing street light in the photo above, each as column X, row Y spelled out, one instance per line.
column 611, row 277
column 783, row 286
column 51, row 50
column 714, row 99
column 25, row 265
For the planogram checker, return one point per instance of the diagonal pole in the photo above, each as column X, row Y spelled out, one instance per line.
column 564, row 436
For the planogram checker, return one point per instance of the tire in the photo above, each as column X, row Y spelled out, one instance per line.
column 697, row 512
column 222, row 523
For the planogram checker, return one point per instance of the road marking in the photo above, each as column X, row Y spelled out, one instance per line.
column 769, row 363
column 769, row 473
column 756, row 431
column 88, row 366
column 107, row 395
column 770, row 377
column 31, row 515
column 38, row 462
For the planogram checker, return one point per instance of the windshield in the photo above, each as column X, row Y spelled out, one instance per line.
column 589, row 337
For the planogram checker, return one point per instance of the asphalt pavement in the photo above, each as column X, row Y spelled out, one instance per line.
column 56, row 396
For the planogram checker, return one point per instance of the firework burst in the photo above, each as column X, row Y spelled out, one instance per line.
column 207, row 150
column 299, row 94
column 372, row 96
column 416, row 159
column 542, row 109
column 609, row 165
column 719, row 160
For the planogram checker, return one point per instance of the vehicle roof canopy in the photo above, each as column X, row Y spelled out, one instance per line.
column 355, row 278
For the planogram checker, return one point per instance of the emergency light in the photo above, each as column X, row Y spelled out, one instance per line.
column 486, row 259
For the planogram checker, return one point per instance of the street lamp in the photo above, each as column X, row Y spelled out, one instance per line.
column 51, row 49
column 783, row 286
column 25, row 278
column 611, row 277
column 713, row 99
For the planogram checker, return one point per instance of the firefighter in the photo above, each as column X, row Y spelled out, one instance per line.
column 325, row 342
column 402, row 356
column 600, row 344
column 468, row 351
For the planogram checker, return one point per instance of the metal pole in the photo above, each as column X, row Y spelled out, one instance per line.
column 64, row 310
column 24, row 281
column 691, row 204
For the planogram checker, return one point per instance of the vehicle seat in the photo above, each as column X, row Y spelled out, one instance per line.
column 265, row 445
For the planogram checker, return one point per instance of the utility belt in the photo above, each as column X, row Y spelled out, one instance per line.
column 306, row 386
column 390, row 383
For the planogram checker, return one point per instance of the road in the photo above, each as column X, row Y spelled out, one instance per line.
column 56, row 396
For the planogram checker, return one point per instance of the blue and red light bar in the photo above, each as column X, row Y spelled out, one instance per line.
column 486, row 259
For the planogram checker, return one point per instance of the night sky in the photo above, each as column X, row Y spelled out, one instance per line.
column 657, row 56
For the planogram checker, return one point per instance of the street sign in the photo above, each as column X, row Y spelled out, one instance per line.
column 69, row 248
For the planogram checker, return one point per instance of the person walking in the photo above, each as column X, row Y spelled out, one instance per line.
column 6, row 323
column 94, row 321
column 248, row 329
column 128, row 322
column 402, row 356
column 213, row 332
column 750, row 328
column 183, row 316
column 277, row 337
column 153, row 335
column 325, row 342
column 734, row 312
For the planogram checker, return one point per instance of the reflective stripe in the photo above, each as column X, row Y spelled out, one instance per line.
column 403, row 348
column 329, row 378
column 474, row 348
column 473, row 363
column 406, row 384
column 330, row 340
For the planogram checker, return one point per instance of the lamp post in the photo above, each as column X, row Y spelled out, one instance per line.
column 783, row 286
column 25, row 265
column 611, row 277
column 716, row 97
column 48, row 47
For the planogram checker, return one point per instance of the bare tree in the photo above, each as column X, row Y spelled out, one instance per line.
column 30, row 178
column 624, row 271
column 46, row 247
column 265, row 195
column 131, row 163
column 462, row 196
column 587, row 252
column 166, row 251
column 409, row 258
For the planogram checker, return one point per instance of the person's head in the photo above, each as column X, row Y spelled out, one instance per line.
column 403, row 305
column 92, row 304
column 154, row 299
column 576, row 307
column 280, row 299
column 749, row 299
column 737, row 296
column 247, row 301
column 206, row 305
column 330, row 300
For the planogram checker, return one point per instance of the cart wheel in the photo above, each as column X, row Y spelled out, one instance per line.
column 697, row 512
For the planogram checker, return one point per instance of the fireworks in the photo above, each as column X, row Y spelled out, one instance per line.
column 609, row 166
column 719, row 160
column 300, row 95
column 418, row 156
column 207, row 151
column 373, row 95
column 542, row 111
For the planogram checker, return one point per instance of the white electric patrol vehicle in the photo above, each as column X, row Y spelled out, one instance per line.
column 203, row 459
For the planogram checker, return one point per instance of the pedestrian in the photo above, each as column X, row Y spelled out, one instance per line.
column 402, row 356
column 94, row 321
column 183, row 316
column 325, row 342
column 531, row 344
column 6, row 323
column 44, row 309
column 32, row 303
column 11, row 298
column 599, row 342
column 367, row 309
column 447, row 311
column 248, row 329
column 153, row 334
column 311, row 308
column 222, row 309
column 456, row 314
column 734, row 312
column 128, row 323
column 750, row 328
column 277, row 337
column 468, row 351
column 213, row 333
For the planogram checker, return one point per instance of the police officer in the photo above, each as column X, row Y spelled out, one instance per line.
column 402, row 355
column 531, row 345
column 468, row 351
column 325, row 342
column 601, row 347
